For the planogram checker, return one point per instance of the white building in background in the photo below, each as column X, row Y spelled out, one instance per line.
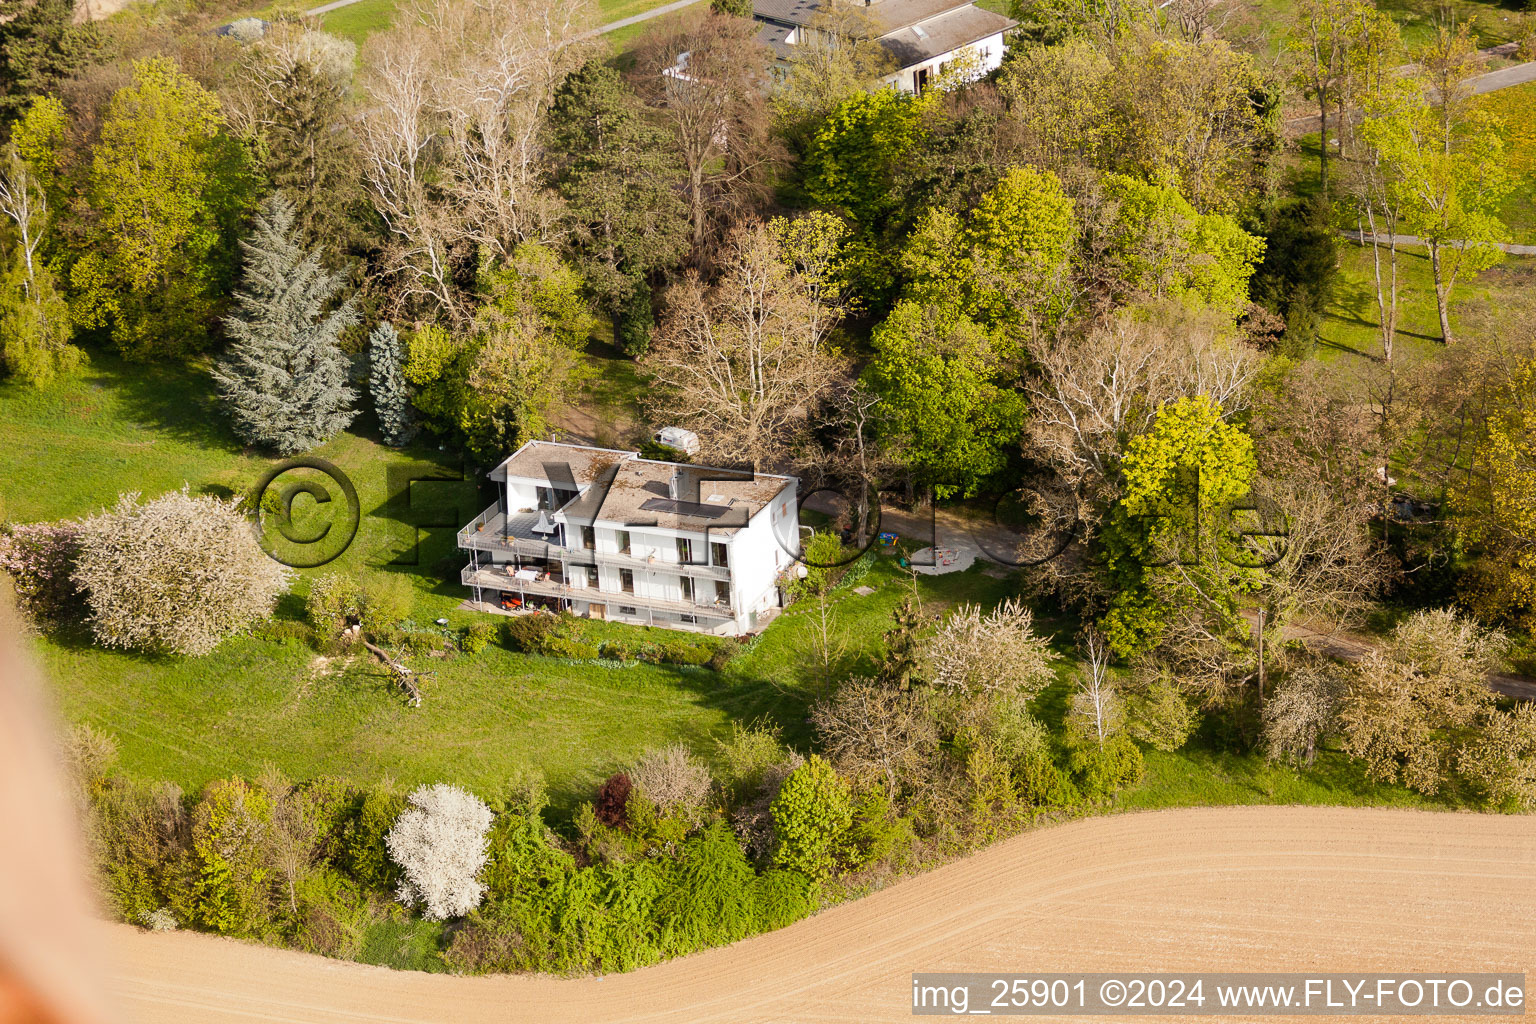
column 921, row 35
column 608, row 534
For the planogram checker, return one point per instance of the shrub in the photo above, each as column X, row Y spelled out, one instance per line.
column 973, row 654
column 1103, row 770
column 334, row 599
column 229, row 831
column 526, row 633
column 440, row 844
column 673, row 779
column 811, row 818
column 782, row 898
column 711, row 899
column 386, row 599
column 612, row 800
column 363, row 835
column 477, row 637
column 178, row 574
column 283, row 631
column 747, row 757
column 555, row 646
column 878, row 834
column 40, row 559
column 723, row 655
column 141, row 837
column 333, row 916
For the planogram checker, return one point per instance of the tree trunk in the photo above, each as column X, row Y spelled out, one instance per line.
column 1442, row 293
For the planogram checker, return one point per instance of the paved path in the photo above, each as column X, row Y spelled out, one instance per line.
column 634, row 19
column 1350, row 647
column 1217, row 889
column 1503, row 78
column 1512, row 249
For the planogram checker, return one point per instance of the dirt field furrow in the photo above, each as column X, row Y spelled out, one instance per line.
column 1229, row 889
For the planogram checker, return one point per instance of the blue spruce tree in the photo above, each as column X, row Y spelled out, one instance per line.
column 285, row 380
column 391, row 395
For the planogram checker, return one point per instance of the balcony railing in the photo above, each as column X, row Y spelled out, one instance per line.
column 502, row 579
column 490, row 531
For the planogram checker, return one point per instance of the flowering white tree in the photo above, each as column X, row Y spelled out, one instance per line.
column 440, row 843
column 973, row 654
column 178, row 573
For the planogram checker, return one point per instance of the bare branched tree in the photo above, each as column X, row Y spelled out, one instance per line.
column 745, row 362
column 454, row 102
column 872, row 731
column 1096, row 711
column 710, row 76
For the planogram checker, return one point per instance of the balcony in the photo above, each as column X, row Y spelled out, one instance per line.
column 502, row 578
column 493, row 531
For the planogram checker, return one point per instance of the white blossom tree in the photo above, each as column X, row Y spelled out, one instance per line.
column 440, row 843
column 974, row 654
column 178, row 573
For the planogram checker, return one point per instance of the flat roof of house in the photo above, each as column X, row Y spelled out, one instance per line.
column 620, row 486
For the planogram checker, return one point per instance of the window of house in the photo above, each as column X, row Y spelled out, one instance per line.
column 622, row 537
column 722, row 592
column 687, row 583
column 717, row 554
column 591, row 575
column 588, row 537
column 684, row 550
column 627, row 580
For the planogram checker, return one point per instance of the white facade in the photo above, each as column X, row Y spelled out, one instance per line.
column 917, row 77
column 610, row 535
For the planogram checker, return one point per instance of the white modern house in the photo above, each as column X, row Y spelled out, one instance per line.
column 921, row 35
column 607, row 534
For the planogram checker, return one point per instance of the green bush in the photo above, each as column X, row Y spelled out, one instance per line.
column 230, row 874
column 333, row 600
column 286, row 631
column 723, row 655
column 555, row 646
column 1102, row 771
column 526, row 633
column 477, row 637
column 142, row 839
column 782, row 898
column 333, row 916
column 746, row 758
column 811, row 819
column 362, row 841
column 879, row 834
column 386, row 599
column 711, row 899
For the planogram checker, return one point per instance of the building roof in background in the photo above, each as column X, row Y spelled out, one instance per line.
column 949, row 31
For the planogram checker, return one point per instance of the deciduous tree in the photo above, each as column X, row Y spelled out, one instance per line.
column 169, row 188
column 743, row 362
column 440, row 843
column 178, row 573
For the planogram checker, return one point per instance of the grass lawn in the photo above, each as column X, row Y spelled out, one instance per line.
column 360, row 20
column 357, row 21
column 1263, row 24
column 485, row 718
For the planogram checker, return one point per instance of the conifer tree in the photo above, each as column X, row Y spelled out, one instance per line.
column 386, row 381
column 285, row 379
